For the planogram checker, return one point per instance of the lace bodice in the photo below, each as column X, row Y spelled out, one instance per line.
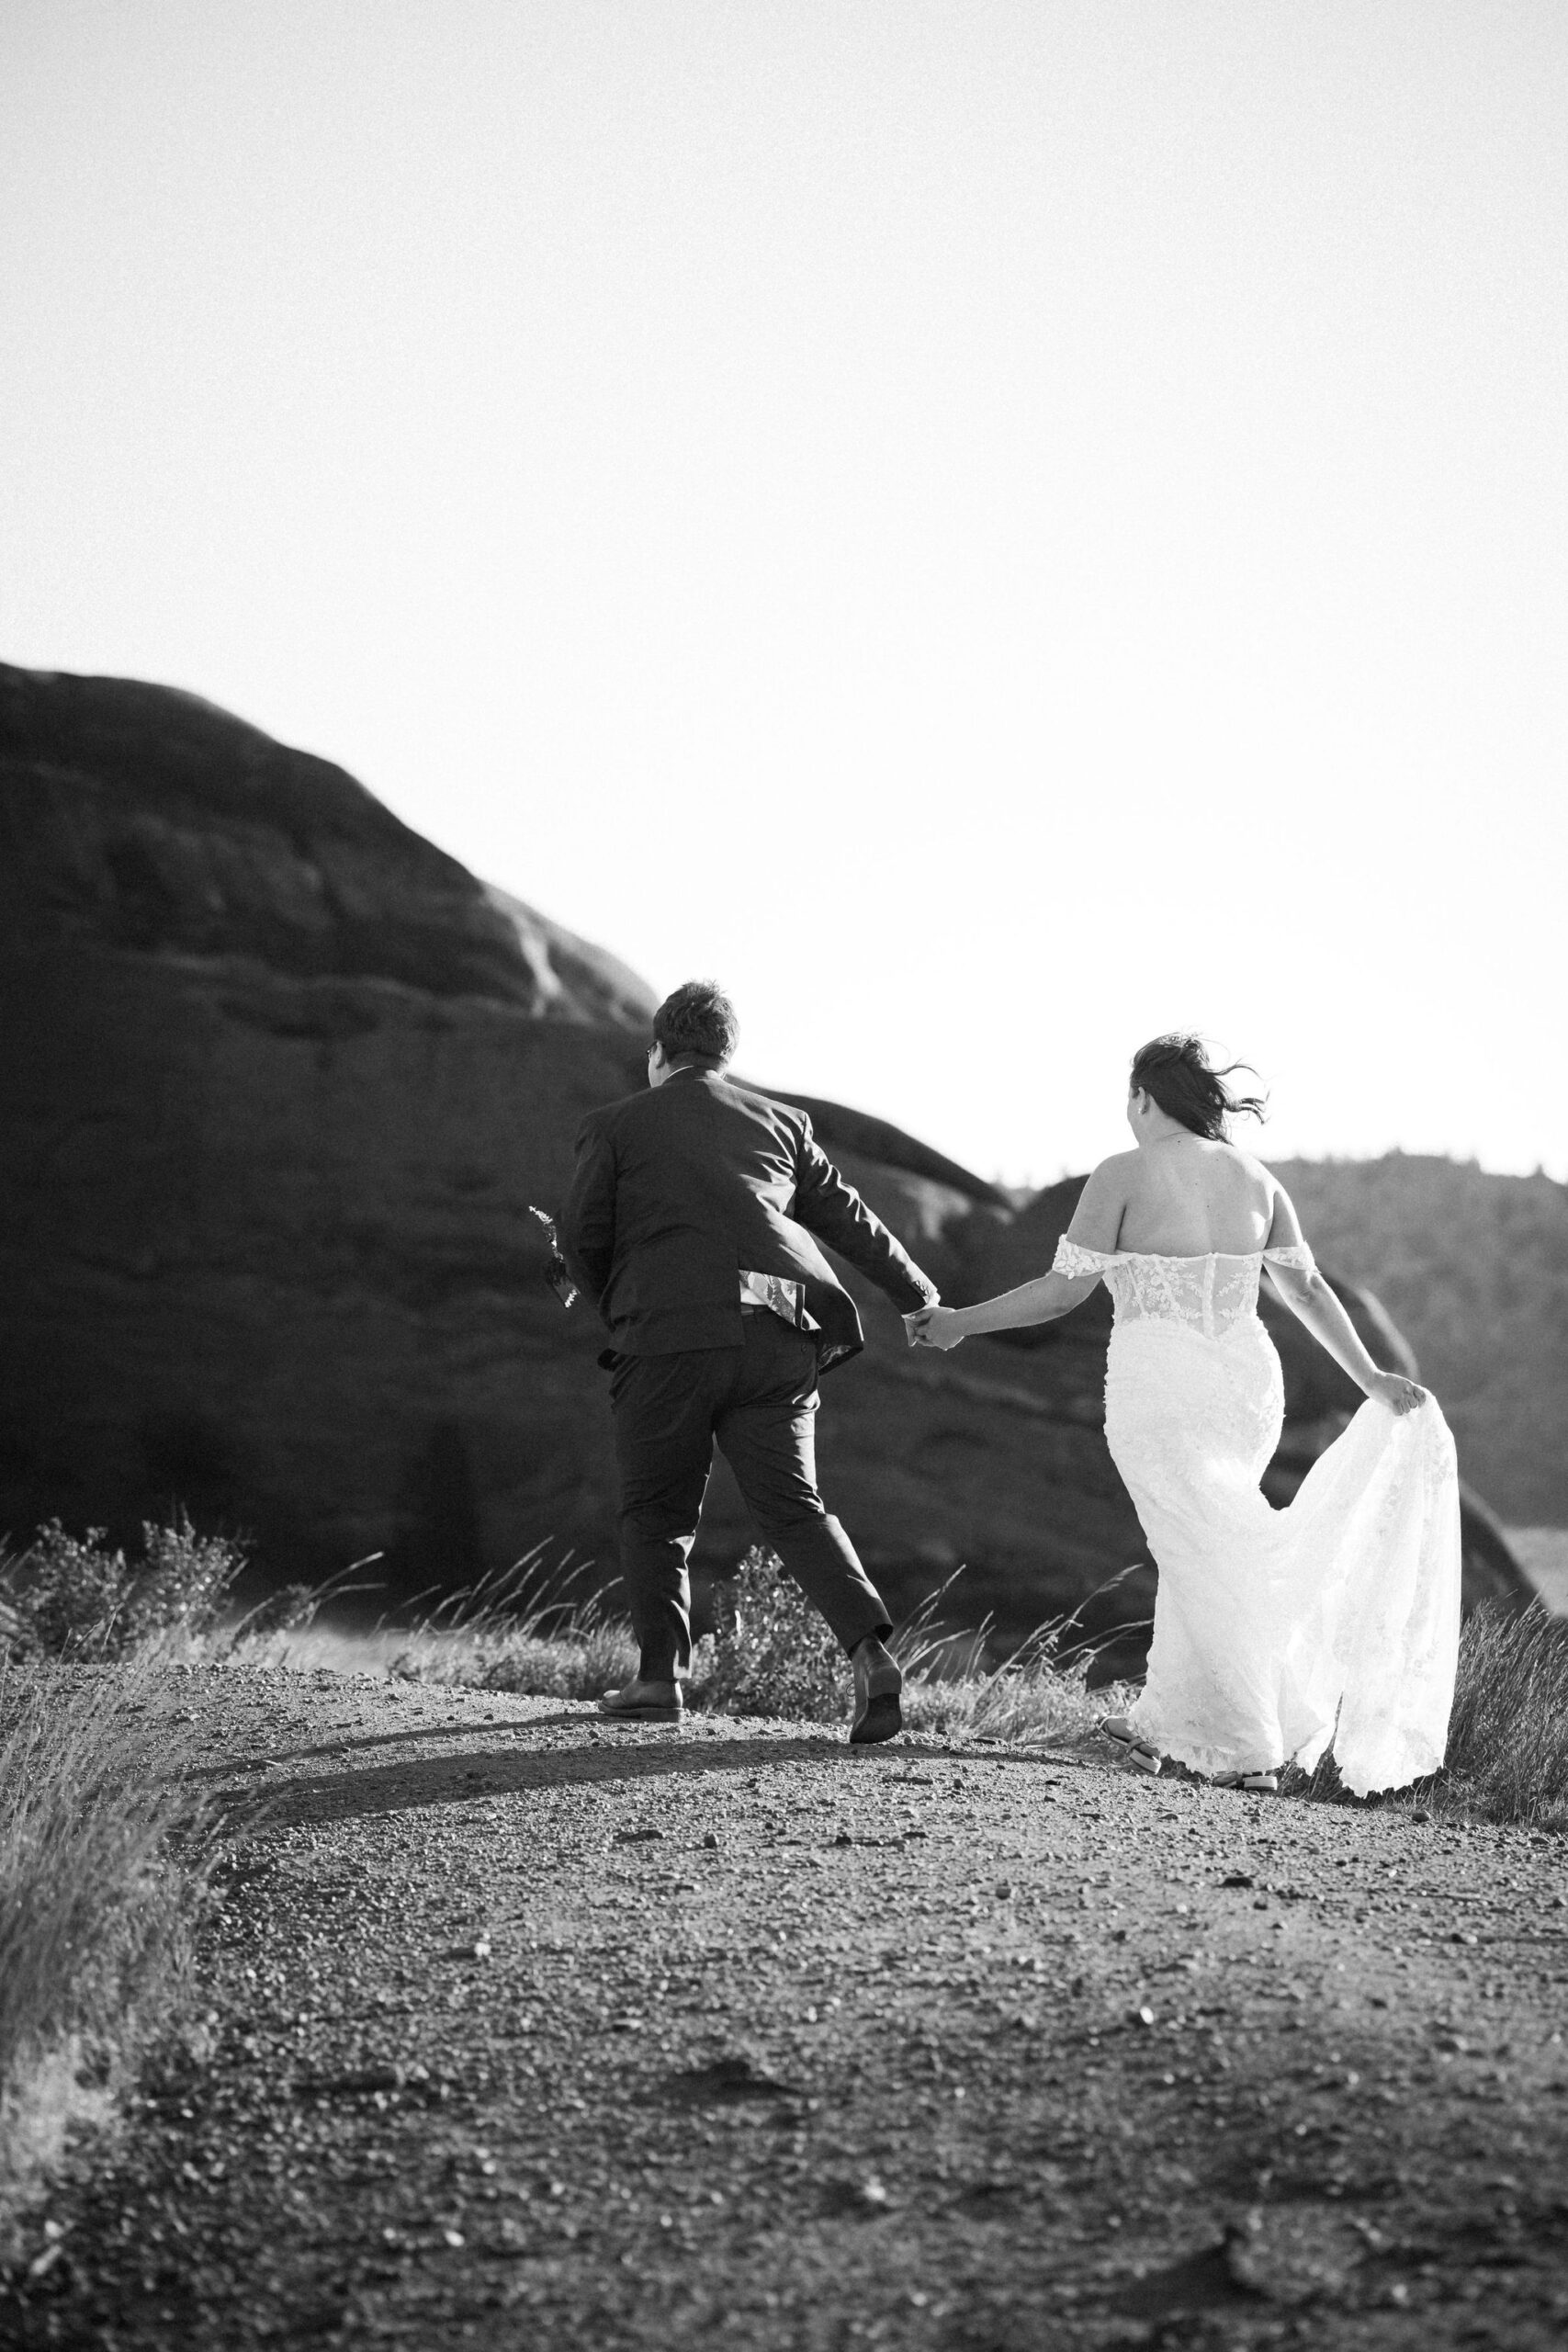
column 1210, row 1294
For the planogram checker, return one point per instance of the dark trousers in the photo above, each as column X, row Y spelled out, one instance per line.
column 758, row 1401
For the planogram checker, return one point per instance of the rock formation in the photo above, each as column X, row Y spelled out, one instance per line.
column 281, row 1080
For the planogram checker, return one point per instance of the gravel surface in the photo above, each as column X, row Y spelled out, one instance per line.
column 527, row 2030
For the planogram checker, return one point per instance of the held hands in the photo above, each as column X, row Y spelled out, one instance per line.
column 934, row 1326
column 1401, row 1395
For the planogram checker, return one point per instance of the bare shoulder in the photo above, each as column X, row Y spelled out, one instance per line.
column 1116, row 1170
column 1097, row 1220
column 1284, row 1225
column 1108, row 1189
column 1254, row 1171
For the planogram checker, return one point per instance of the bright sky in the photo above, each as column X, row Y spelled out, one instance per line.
column 994, row 527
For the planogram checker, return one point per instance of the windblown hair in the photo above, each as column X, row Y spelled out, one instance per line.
column 698, row 1019
column 1180, row 1075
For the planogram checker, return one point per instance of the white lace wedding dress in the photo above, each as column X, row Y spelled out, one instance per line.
column 1276, row 1630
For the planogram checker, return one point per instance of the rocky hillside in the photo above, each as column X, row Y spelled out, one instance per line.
column 282, row 1080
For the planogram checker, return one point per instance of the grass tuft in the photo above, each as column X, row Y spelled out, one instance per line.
column 102, row 1875
column 524, row 1629
column 1039, row 1691
column 1507, row 1757
column 1507, row 1752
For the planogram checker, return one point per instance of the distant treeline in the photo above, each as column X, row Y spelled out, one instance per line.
column 1474, row 1268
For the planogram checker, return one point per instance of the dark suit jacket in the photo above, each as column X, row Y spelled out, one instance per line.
column 679, row 1188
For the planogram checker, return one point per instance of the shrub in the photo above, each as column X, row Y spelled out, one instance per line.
column 102, row 1867
column 74, row 1597
column 776, row 1657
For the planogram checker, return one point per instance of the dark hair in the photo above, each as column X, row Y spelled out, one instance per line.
column 1177, row 1072
column 699, row 1020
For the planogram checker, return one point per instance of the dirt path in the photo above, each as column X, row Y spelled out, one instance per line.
column 527, row 2033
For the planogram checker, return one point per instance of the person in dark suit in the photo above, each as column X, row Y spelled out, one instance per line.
column 695, row 1223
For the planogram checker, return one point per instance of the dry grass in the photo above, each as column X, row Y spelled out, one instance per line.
column 578, row 1664
column 1507, row 1753
column 525, row 1630
column 102, row 1870
column 1039, row 1691
column 1507, row 1757
column 1034, row 1695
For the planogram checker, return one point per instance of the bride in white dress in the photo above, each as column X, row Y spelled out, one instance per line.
column 1276, row 1632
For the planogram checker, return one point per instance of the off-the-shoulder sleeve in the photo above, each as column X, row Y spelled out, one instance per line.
column 1292, row 1253
column 1072, row 1259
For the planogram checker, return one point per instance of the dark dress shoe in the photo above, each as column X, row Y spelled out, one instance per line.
column 878, row 1715
column 644, row 1703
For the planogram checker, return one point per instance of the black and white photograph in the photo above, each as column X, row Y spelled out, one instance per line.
column 784, row 1175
